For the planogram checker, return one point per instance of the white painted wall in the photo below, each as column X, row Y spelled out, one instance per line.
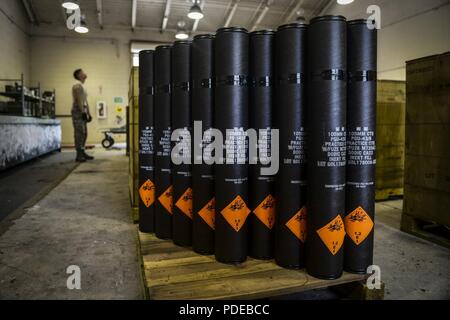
column 421, row 36
column 14, row 49
column 107, row 64
column 410, row 29
column 105, row 56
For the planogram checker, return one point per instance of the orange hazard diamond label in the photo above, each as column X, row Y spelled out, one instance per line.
column 147, row 193
column 266, row 211
column 208, row 212
column 185, row 203
column 166, row 199
column 332, row 234
column 358, row 225
column 236, row 213
column 297, row 224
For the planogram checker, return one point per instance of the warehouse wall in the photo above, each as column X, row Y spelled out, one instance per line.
column 410, row 29
column 107, row 63
column 15, row 49
column 421, row 36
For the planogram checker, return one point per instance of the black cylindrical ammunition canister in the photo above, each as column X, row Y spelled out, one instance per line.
column 261, row 197
column 202, row 95
column 231, row 118
column 163, row 179
column 290, row 119
column 361, row 109
column 181, row 147
column 146, row 148
column 326, row 114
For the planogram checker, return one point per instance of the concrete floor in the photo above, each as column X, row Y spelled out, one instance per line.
column 31, row 180
column 85, row 221
column 411, row 268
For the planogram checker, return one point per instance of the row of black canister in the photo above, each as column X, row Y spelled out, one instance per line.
column 316, row 84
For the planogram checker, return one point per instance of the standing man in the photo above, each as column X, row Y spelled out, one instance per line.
column 80, row 115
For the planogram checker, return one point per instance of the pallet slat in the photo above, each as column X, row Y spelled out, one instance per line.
column 412, row 225
column 201, row 271
column 247, row 286
column 173, row 272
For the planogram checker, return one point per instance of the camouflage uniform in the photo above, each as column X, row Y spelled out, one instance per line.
column 79, row 124
column 80, row 128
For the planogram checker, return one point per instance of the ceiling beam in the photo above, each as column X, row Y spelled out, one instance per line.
column 195, row 25
column 261, row 15
column 30, row 12
column 100, row 13
column 133, row 14
column 293, row 12
column 255, row 14
column 166, row 15
column 287, row 10
column 231, row 13
column 325, row 8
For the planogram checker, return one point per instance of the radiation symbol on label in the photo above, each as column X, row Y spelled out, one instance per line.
column 297, row 224
column 208, row 212
column 147, row 193
column 185, row 203
column 358, row 225
column 266, row 211
column 236, row 213
column 332, row 234
column 166, row 199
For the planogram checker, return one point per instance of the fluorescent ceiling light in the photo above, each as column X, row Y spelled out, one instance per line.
column 344, row 2
column 70, row 5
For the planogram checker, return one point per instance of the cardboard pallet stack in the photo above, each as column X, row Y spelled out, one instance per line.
column 133, row 132
column 427, row 163
column 390, row 133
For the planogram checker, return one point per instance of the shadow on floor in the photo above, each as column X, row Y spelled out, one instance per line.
column 32, row 180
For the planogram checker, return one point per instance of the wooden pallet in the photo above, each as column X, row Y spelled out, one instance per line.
column 385, row 194
column 135, row 214
column 414, row 226
column 175, row 273
column 133, row 136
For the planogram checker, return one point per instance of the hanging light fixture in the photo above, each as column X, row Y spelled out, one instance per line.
column 70, row 5
column 181, row 35
column 344, row 2
column 82, row 28
column 195, row 12
column 300, row 19
column 181, row 31
column 300, row 16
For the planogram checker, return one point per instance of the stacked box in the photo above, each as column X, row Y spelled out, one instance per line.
column 390, row 137
column 133, row 131
column 427, row 160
